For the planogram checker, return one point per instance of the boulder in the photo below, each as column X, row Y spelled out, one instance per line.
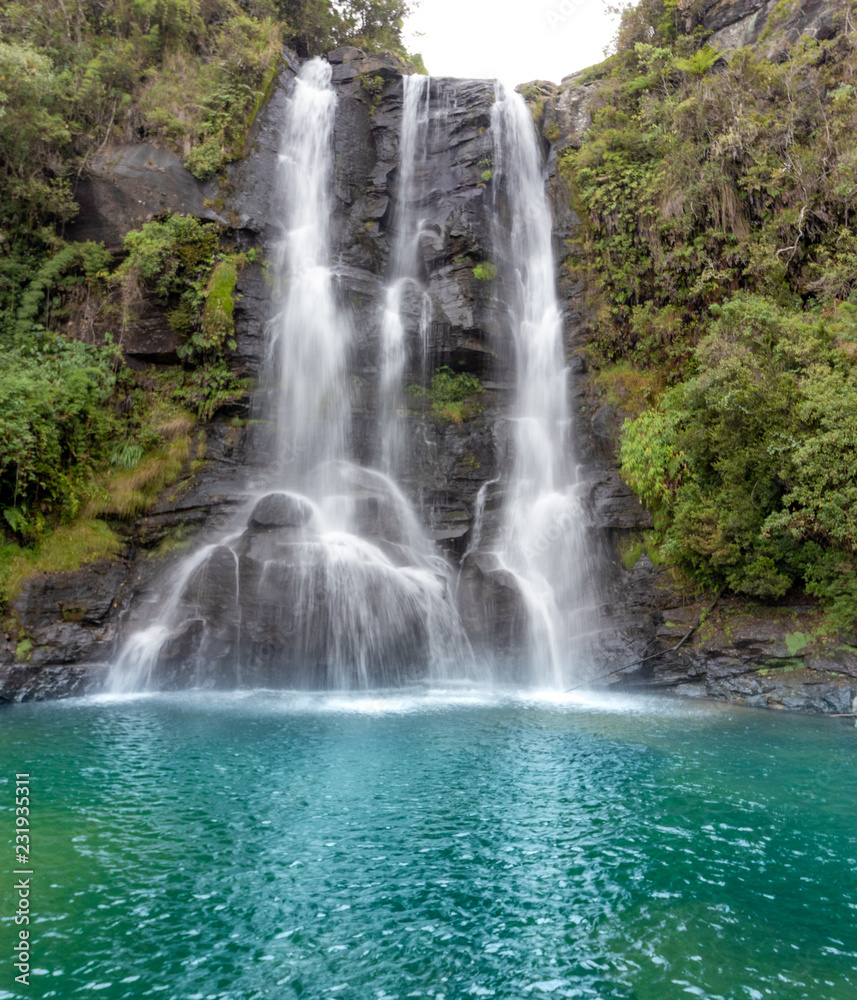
column 280, row 510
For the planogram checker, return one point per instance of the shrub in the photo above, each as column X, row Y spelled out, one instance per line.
column 748, row 465
column 55, row 420
column 485, row 271
column 451, row 395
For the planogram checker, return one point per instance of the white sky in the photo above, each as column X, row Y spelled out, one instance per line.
column 515, row 42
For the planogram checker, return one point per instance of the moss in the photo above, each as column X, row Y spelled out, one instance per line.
column 788, row 665
column 263, row 95
column 636, row 545
column 67, row 548
column 796, row 641
column 453, row 396
column 485, row 271
column 176, row 540
column 630, row 551
column 217, row 315
column 628, row 389
column 552, row 131
column 374, row 88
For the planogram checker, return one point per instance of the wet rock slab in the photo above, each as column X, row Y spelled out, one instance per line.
column 25, row 682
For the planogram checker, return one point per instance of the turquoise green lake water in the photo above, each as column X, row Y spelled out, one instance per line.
column 444, row 845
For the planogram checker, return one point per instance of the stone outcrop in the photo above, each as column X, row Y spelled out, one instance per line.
column 126, row 186
column 736, row 23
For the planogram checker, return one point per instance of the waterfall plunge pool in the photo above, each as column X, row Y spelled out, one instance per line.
column 437, row 843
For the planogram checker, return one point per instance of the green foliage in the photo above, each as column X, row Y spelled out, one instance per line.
column 208, row 388
column 485, row 271
column 34, row 136
column 652, row 463
column 374, row 87
column 54, row 420
column 821, row 502
column 832, row 577
column 754, row 454
column 180, row 259
column 169, row 252
column 718, row 208
column 61, row 428
column 699, row 63
column 374, row 25
column 72, row 264
column 451, row 395
column 693, row 185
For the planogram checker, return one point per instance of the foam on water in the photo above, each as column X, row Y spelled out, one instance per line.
column 417, row 700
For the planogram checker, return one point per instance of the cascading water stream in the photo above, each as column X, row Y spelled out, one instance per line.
column 310, row 335
column 543, row 538
column 333, row 583
column 404, row 264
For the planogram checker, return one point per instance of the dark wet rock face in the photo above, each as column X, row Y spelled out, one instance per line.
column 280, row 510
column 69, row 616
column 281, row 603
column 23, row 682
column 126, row 186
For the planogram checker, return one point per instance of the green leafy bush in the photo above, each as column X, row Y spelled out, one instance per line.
column 699, row 63
column 748, row 465
column 180, row 259
column 717, row 204
column 42, row 299
column 34, row 136
column 451, row 395
column 485, row 271
column 54, row 422
column 694, row 184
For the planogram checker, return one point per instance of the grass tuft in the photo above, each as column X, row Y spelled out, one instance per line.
column 66, row 548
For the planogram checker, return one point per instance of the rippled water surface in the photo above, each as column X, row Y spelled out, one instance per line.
column 437, row 844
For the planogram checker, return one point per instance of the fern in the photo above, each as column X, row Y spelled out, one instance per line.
column 700, row 62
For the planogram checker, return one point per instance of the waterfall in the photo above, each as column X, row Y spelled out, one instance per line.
column 542, row 541
column 328, row 578
column 333, row 582
column 310, row 335
column 402, row 281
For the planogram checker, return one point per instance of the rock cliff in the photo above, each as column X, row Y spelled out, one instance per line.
column 75, row 620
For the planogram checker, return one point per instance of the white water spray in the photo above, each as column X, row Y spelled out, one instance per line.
column 333, row 583
column 543, row 541
column 310, row 334
column 402, row 282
